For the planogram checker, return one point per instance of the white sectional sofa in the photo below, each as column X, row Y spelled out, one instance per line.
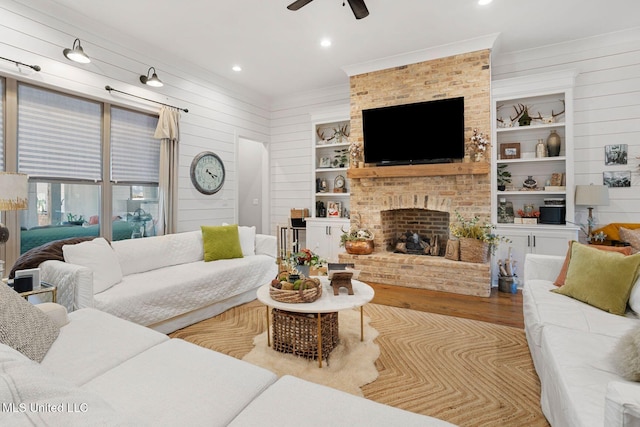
column 164, row 283
column 106, row 371
column 571, row 344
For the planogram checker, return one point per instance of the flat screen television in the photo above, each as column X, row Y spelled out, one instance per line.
column 423, row 132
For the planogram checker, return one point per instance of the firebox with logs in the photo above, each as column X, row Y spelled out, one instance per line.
column 414, row 244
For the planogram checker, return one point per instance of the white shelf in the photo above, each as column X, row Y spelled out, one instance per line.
column 532, row 127
column 319, row 170
column 341, row 145
column 529, row 193
column 534, row 160
column 329, row 194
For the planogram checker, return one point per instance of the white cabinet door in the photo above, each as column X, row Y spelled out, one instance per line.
column 323, row 237
column 553, row 242
column 545, row 241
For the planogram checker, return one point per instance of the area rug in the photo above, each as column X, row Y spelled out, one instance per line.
column 467, row 372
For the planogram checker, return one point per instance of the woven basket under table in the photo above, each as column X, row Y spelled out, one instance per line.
column 297, row 333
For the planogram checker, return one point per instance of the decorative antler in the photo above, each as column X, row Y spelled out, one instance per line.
column 561, row 112
column 523, row 109
column 320, row 133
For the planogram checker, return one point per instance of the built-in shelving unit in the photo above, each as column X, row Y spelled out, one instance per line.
column 544, row 95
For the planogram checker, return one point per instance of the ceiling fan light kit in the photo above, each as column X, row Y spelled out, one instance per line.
column 357, row 6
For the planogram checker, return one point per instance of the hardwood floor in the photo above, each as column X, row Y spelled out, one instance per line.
column 500, row 308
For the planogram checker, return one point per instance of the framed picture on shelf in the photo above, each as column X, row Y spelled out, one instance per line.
column 615, row 154
column 334, row 209
column 324, row 162
column 510, row 150
column 617, row 178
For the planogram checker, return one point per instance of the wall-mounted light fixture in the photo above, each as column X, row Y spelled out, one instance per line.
column 76, row 53
column 153, row 80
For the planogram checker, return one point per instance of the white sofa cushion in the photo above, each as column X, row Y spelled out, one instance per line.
column 31, row 396
column 181, row 384
column 317, row 405
column 574, row 381
column 94, row 342
column 622, row 405
column 151, row 253
column 153, row 296
column 542, row 307
column 24, row 327
column 98, row 256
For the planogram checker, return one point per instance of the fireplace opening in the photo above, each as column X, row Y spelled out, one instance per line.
column 415, row 231
column 416, row 244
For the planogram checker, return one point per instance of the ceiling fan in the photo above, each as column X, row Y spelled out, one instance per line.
column 357, row 6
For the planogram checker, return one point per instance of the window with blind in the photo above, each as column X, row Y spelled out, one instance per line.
column 59, row 136
column 135, row 162
column 60, row 140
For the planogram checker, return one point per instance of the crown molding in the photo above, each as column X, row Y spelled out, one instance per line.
column 416, row 56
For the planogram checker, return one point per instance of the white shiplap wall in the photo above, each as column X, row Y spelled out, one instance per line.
column 290, row 149
column 607, row 108
column 219, row 110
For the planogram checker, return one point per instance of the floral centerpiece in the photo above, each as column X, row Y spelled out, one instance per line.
column 476, row 237
column 478, row 146
column 305, row 261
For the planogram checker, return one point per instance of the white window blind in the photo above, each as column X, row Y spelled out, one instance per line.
column 135, row 154
column 1, row 124
column 59, row 136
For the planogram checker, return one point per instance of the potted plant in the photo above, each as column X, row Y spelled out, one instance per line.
column 357, row 240
column 477, row 239
column 504, row 176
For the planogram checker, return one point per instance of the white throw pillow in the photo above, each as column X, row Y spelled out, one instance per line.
column 634, row 297
column 98, row 256
column 247, row 239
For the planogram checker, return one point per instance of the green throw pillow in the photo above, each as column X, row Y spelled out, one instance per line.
column 601, row 279
column 221, row 242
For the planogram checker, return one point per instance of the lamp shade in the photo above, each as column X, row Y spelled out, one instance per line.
column 592, row 195
column 13, row 191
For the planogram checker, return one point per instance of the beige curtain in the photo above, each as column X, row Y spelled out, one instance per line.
column 168, row 131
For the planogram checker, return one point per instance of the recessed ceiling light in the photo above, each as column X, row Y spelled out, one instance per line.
column 325, row 43
column 484, row 2
column 236, row 68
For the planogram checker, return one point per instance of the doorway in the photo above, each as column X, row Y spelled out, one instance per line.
column 252, row 184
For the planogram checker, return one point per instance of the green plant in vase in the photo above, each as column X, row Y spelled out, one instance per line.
column 504, row 176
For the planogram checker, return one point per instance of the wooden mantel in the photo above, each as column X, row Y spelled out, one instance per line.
column 438, row 169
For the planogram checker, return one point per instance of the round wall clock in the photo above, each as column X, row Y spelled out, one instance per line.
column 207, row 172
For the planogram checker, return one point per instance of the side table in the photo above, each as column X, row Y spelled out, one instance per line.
column 44, row 288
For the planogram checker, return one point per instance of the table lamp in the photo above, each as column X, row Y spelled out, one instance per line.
column 13, row 196
column 591, row 196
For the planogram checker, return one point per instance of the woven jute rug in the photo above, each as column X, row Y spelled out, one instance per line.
column 467, row 372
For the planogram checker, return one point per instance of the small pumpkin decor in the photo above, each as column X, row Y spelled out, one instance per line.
column 357, row 240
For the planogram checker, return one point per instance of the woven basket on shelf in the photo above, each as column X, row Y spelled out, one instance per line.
column 299, row 296
column 473, row 250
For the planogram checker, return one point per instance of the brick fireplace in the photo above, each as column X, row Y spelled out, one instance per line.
column 424, row 197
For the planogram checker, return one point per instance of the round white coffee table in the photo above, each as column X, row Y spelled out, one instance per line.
column 327, row 303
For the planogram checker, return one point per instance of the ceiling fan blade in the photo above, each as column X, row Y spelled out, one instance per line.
column 359, row 8
column 298, row 4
